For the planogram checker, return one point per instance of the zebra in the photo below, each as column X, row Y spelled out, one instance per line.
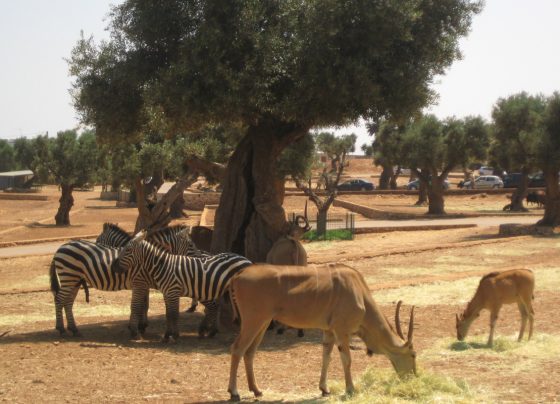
column 205, row 278
column 175, row 239
column 81, row 263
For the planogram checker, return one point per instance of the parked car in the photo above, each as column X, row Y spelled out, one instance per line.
column 513, row 180
column 414, row 185
column 485, row 182
column 356, row 185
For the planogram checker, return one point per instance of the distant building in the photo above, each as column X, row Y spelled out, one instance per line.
column 16, row 179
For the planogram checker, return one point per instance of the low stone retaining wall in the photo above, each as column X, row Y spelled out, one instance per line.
column 372, row 213
column 387, row 229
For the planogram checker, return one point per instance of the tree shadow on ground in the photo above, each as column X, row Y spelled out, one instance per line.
column 33, row 225
column 112, row 334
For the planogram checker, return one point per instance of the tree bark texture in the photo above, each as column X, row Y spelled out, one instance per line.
column 435, row 196
column 552, row 199
column 158, row 215
column 385, row 177
column 250, row 216
column 520, row 193
column 62, row 217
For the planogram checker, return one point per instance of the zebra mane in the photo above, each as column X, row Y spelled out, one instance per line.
column 115, row 228
column 169, row 230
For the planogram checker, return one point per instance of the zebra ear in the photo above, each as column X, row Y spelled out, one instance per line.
column 140, row 236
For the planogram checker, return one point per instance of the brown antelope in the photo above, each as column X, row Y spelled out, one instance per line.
column 334, row 298
column 288, row 250
column 494, row 290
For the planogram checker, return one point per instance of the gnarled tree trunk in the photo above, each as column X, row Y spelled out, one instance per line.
column 520, row 193
column 385, row 177
column 62, row 217
column 250, row 216
column 552, row 200
column 435, row 196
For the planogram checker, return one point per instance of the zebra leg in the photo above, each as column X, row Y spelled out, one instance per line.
column 58, row 305
column 171, row 316
column 143, row 324
column 210, row 321
column 194, row 303
column 137, row 310
column 68, row 304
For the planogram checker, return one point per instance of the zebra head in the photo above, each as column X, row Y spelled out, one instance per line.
column 130, row 257
column 113, row 236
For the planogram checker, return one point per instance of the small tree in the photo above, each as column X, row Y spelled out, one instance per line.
column 71, row 161
column 516, row 137
column 336, row 149
column 7, row 161
column 433, row 148
column 387, row 151
column 24, row 154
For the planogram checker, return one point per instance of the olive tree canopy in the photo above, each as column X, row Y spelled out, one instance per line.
column 276, row 67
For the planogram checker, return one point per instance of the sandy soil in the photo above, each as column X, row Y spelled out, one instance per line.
column 103, row 365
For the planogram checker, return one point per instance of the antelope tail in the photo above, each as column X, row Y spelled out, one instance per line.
column 236, row 317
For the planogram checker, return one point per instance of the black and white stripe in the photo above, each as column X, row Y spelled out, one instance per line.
column 204, row 278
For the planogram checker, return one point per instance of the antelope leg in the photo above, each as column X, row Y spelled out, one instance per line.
column 328, row 344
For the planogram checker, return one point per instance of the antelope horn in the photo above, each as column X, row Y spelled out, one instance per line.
column 457, row 317
column 398, row 320
column 305, row 210
column 410, row 327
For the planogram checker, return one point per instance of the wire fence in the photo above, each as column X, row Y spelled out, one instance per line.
column 338, row 221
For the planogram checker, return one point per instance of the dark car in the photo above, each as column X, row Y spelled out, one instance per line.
column 513, row 180
column 356, row 185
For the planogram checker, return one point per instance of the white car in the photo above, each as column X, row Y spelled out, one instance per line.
column 484, row 170
column 485, row 182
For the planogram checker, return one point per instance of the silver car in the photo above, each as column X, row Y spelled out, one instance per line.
column 485, row 182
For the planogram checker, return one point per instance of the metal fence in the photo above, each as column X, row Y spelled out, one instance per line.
column 339, row 221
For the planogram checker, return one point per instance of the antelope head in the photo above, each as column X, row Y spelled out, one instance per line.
column 300, row 226
column 404, row 359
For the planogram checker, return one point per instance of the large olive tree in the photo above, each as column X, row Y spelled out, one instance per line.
column 432, row 148
column 276, row 67
column 516, row 135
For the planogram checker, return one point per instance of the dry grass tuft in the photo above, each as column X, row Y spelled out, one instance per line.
column 384, row 386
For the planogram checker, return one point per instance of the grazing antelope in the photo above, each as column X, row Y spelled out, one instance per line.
column 287, row 250
column 494, row 290
column 334, row 298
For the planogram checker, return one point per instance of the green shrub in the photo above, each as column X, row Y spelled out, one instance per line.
column 337, row 234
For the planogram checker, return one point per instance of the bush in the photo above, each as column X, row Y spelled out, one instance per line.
column 336, row 234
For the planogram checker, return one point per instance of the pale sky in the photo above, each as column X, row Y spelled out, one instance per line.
column 513, row 46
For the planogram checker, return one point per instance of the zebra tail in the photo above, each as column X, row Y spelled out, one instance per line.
column 55, row 284
column 86, row 289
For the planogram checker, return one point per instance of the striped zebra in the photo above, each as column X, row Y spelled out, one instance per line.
column 82, row 263
column 174, row 239
column 204, row 278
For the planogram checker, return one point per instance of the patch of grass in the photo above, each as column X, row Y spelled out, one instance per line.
column 506, row 354
column 424, row 295
column 384, row 386
column 336, row 234
column 36, row 282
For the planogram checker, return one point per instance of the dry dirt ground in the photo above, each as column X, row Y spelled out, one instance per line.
column 438, row 275
column 437, row 271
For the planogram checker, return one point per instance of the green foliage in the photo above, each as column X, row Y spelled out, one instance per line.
column 68, row 159
column 177, row 65
column 517, row 131
column 7, row 160
column 548, row 152
column 24, row 153
column 387, row 146
column 297, row 160
column 439, row 146
column 330, row 235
